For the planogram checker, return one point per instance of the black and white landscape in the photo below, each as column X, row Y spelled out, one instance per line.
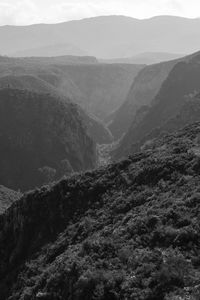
column 100, row 159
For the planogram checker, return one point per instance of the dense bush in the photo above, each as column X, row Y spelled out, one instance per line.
column 127, row 231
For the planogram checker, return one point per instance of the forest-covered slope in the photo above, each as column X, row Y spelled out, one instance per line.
column 39, row 136
column 142, row 92
column 182, row 83
column 127, row 231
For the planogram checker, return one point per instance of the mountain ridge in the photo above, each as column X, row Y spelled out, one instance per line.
column 136, row 36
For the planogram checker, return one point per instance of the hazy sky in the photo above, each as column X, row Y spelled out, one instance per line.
column 51, row 11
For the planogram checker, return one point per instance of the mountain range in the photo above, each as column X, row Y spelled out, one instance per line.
column 118, row 37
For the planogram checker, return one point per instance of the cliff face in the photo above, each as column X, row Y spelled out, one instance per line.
column 181, row 82
column 39, row 131
column 129, row 230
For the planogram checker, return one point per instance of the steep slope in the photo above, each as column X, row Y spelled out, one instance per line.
column 189, row 113
column 128, row 231
column 102, row 87
column 183, row 81
column 96, row 129
column 118, row 36
column 7, row 197
column 38, row 132
column 142, row 92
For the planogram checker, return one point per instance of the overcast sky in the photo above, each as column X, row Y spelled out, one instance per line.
column 20, row 12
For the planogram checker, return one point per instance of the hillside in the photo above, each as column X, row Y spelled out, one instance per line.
column 127, row 231
column 118, row 36
column 39, row 136
column 182, row 82
column 142, row 92
column 98, row 88
column 96, row 129
column 7, row 198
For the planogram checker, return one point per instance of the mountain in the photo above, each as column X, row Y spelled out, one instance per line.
column 146, row 58
column 127, row 231
column 39, row 135
column 51, row 51
column 7, row 197
column 118, row 36
column 98, row 88
column 142, row 92
column 182, row 82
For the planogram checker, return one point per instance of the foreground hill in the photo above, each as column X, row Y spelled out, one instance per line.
column 7, row 197
column 118, row 36
column 39, row 134
column 127, row 231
